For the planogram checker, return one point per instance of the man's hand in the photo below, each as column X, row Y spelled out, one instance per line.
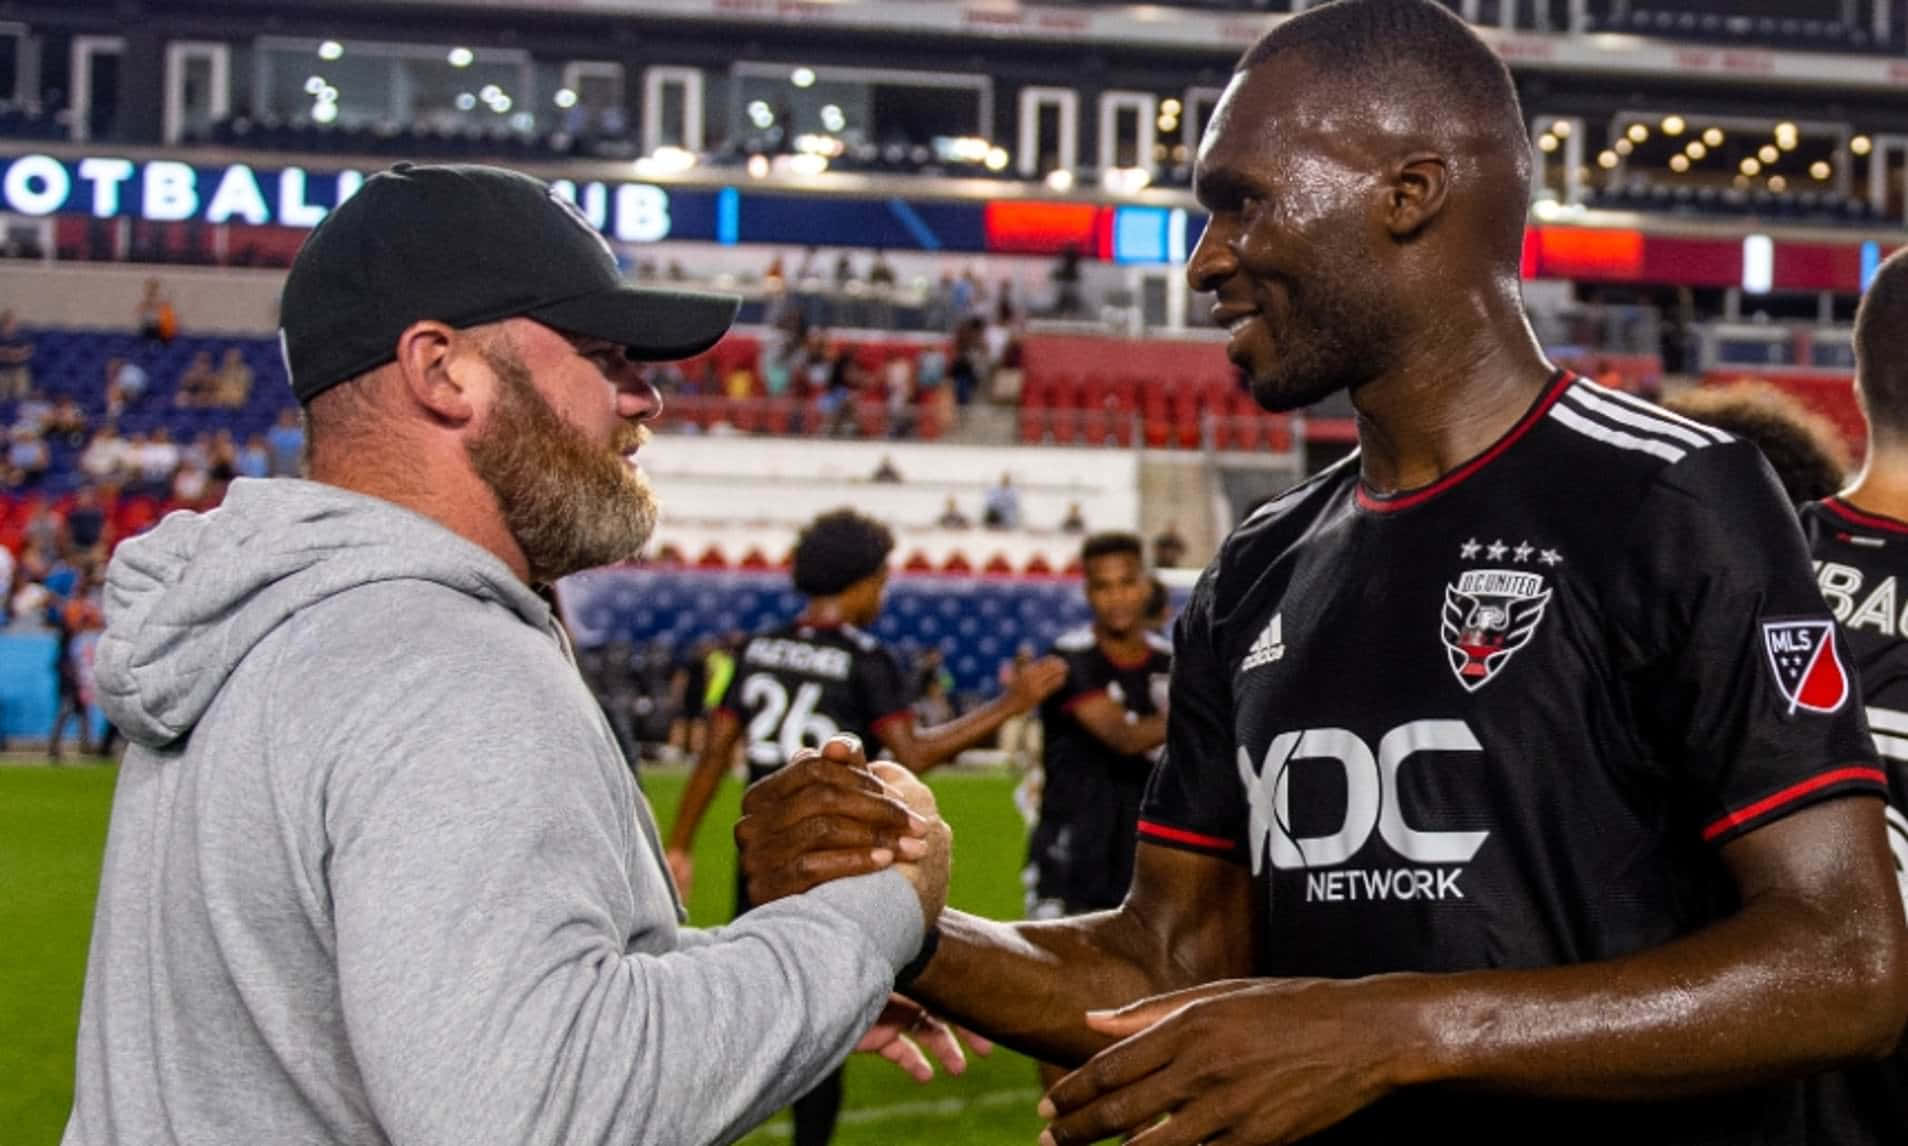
column 1035, row 683
column 928, row 872
column 823, row 817
column 905, row 1034
column 1202, row 1056
column 682, row 869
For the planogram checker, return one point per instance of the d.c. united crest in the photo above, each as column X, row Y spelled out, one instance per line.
column 1488, row 615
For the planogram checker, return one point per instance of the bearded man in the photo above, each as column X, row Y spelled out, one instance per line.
column 376, row 871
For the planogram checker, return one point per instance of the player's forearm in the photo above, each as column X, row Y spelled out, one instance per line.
column 937, row 745
column 1776, row 991
column 1134, row 737
column 1029, row 985
column 698, row 793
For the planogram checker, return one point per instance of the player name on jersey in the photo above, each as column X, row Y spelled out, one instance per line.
column 799, row 656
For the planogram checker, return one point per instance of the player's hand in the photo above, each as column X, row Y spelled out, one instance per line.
column 928, row 872
column 682, row 869
column 822, row 817
column 1203, row 1057
column 905, row 1034
column 1035, row 683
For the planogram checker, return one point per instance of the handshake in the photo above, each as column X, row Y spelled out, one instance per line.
column 829, row 814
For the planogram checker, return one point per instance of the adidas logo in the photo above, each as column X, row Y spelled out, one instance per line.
column 1269, row 647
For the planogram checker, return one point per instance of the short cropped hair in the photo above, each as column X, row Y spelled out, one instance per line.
column 1107, row 544
column 838, row 549
column 1881, row 342
column 1802, row 446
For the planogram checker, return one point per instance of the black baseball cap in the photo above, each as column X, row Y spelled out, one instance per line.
column 465, row 245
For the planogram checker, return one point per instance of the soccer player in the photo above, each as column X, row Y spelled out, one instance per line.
column 1860, row 542
column 1553, row 817
column 1100, row 728
column 801, row 683
column 1803, row 448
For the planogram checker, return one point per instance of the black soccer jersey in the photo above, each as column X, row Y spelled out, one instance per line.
column 798, row 684
column 1081, row 852
column 1861, row 564
column 1507, row 720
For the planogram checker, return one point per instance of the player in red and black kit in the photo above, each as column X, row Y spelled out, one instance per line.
column 821, row 674
column 1860, row 542
column 1516, row 789
column 1102, row 729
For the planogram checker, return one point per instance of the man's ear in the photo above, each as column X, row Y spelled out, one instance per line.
column 1417, row 193
column 435, row 370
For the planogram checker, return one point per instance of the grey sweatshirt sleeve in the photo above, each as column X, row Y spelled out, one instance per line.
column 506, row 947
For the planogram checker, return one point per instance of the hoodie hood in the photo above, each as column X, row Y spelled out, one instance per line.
column 187, row 601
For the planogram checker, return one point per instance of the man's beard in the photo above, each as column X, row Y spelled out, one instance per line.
column 1334, row 338
column 570, row 504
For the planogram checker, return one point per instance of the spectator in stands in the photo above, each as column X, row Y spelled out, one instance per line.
column 1001, row 510
column 1075, row 521
column 77, row 615
column 234, row 387
column 952, row 517
column 1169, row 548
column 881, row 274
column 897, row 379
column 253, row 460
column 155, row 316
column 67, row 423
column 42, row 532
column 191, row 482
column 1066, row 284
column 844, row 271
column 886, row 471
column 104, row 458
column 83, row 530
column 16, row 359
column 1802, row 446
column 33, row 413
column 27, row 459
column 156, row 458
column 199, row 385
column 971, row 366
column 286, row 441
column 126, row 383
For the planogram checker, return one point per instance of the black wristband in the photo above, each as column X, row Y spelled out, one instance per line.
column 930, row 943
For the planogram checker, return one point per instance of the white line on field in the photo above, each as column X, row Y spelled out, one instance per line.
column 925, row 1108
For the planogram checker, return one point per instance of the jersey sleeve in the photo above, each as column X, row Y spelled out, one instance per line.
column 1194, row 800
column 1735, row 666
column 1087, row 677
column 884, row 695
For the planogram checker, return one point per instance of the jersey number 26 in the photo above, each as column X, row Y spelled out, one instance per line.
column 778, row 728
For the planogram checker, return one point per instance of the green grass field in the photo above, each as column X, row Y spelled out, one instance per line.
column 53, row 827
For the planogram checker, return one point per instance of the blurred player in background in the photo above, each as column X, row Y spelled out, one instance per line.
column 821, row 674
column 1103, row 729
column 1802, row 446
column 1860, row 542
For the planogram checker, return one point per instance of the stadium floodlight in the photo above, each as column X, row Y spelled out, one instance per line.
column 1679, row 163
column 1638, row 133
column 1751, row 166
column 761, row 115
column 1820, row 169
column 465, row 101
column 1861, row 145
column 565, row 98
column 314, row 85
column 461, row 57
column 1758, row 264
column 1560, row 128
column 1768, row 153
column 1673, row 125
column 501, row 105
column 1607, row 160
column 1696, row 149
column 808, row 163
column 1624, row 147
column 1778, row 183
column 996, row 159
column 1713, row 137
column 832, row 118
column 665, row 161
column 758, row 166
column 1060, row 179
column 802, row 77
column 330, row 50
column 489, row 93
column 324, row 112
column 1546, row 143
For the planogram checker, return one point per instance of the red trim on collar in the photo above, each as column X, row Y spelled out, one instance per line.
column 1391, row 503
column 1862, row 517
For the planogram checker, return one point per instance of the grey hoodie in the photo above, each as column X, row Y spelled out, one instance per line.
column 377, row 873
